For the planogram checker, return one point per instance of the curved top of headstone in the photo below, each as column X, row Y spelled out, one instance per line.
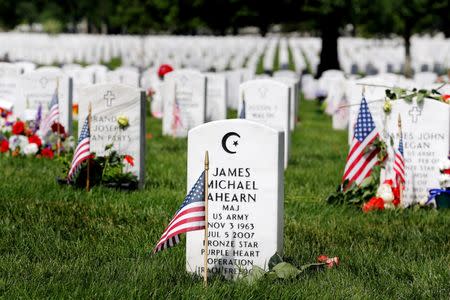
column 265, row 82
column 181, row 72
column 48, row 69
column 235, row 122
column 105, row 86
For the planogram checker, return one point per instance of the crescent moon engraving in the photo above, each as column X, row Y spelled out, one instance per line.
column 225, row 139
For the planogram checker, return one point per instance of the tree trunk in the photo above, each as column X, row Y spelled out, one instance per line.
column 407, row 70
column 329, row 54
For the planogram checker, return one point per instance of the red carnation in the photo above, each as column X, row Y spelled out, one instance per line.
column 56, row 127
column 129, row 159
column 18, row 127
column 376, row 203
column 47, row 152
column 330, row 261
column 4, row 146
column 35, row 139
column 164, row 69
column 446, row 98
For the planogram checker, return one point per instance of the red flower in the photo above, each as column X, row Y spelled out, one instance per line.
column 4, row 146
column 47, row 152
column 35, row 139
column 56, row 127
column 446, row 98
column 330, row 261
column 129, row 159
column 18, row 127
column 376, row 203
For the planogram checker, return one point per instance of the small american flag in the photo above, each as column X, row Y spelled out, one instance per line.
column 190, row 217
column 53, row 114
column 82, row 152
column 176, row 123
column 399, row 163
column 38, row 119
column 360, row 161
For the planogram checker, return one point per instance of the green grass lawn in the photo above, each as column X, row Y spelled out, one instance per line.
column 56, row 242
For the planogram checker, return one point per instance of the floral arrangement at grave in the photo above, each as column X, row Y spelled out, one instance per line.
column 282, row 270
column 109, row 170
column 25, row 138
column 440, row 197
column 372, row 194
column 397, row 93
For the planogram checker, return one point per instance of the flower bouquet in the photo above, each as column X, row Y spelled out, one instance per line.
column 109, row 170
column 442, row 195
column 19, row 138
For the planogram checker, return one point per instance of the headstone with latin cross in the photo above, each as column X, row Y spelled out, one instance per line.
column 425, row 128
column 109, row 102
column 267, row 101
column 246, row 196
column 184, row 98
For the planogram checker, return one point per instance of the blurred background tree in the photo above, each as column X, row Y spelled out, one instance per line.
column 324, row 18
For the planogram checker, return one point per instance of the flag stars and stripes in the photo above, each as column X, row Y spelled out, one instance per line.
column 190, row 216
column 399, row 164
column 82, row 152
column 359, row 161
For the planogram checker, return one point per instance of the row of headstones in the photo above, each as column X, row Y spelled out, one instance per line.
column 191, row 98
column 246, row 185
column 202, row 53
column 373, row 56
column 425, row 126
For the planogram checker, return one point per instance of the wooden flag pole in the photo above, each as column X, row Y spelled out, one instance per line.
column 89, row 159
column 58, row 143
column 401, row 183
column 205, row 255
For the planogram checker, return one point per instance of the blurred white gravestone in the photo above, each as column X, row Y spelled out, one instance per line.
column 37, row 89
column 184, row 97
column 216, row 97
column 9, row 74
column 109, row 101
column 425, row 128
column 246, row 196
column 268, row 102
column 234, row 79
column 293, row 85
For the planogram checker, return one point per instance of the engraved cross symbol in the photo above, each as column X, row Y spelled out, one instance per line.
column 262, row 91
column 183, row 80
column 415, row 112
column 43, row 81
column 109, row 97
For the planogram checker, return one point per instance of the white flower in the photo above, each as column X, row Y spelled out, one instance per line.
column 69, row 143
column 17, row 141
column 444, row 180
column 385, row 192
column 31, row 149
column 444, row 165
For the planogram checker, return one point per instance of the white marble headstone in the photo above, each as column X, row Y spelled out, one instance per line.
column 246, row 196
column 9, row 75
column 293, row 85
column 426, row 129
column 216, row 97
column 109, row 101
column 234, row 79
column 37, row 88
column 184, row 97
column 268, row 102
